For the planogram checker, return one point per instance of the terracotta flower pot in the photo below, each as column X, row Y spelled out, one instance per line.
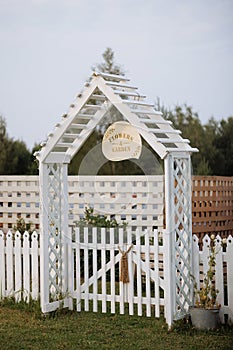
column 204, row 319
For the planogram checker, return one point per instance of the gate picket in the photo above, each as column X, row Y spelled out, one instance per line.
column 112, row 272
column 102, row 250
column 131, row 276
column 138, row 267
column 103, row 266
column 18, row 266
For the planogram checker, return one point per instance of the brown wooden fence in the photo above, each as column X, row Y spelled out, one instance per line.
column 212, row 205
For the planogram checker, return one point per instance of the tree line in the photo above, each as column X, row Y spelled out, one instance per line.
column 213, row 139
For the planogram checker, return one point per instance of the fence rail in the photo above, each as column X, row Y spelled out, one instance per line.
column 20, row 271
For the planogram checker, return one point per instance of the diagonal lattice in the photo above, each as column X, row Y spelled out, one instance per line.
column 182, row 244
column 54, row 216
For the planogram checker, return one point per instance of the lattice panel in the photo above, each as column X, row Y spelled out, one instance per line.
column 55, row 207
column 137, row 200
column 182, row 242
column 212, row 200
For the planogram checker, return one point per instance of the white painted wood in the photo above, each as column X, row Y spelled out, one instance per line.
column 70, row 265
column 219, row 271
column 78, row 270
column 170, row 140
column 122, row 287
column 57, row 157
column 17, row 253
column 130, row 285
column 3, row 265
column 65, row 230
column 44, row 241
column 155, row 247
column 168, row 242
column 163, row 131
column 18, row 267
column 9, row 264
column 206, row 253
column 112, row 272
column 196, row 262
column 130, row 196
column 34, row 269
column 120, row 85
column 139, row 274
column 229, row 256
column 86, row 268
column 79, row 102
column 103, row 266
column 114, row 77
column 151, row 112
column 94, row 262
column 84, row 134
column 147, row 272
column 26, row 266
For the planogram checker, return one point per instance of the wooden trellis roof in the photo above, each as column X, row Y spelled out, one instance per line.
column 90, row 106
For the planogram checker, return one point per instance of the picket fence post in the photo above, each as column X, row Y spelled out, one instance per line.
column 18, row 267
column 229, row 256
column 2, row 264
column 9, row 263
column 35, row 270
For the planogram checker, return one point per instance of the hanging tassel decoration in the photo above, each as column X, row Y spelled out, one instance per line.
column 124, row 274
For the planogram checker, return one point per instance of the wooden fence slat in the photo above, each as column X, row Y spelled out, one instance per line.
column 112, row 271
column 70, row 277
column 122, row 289
column 130, row 271
column 2, row 264
column 103, row 266
column 156, row 267
column 35, row 271
column 94, row 267
column 139, row 275
column 196, row 261
column 206, row 253
column 86, row 268
column 26, row 267
column 18, row 267
column 229, row 255
column 9, row 264
column 219, row 272
column 147, row 264
column 78, row 269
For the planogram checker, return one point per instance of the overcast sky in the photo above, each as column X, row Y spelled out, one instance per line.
column 178, row 50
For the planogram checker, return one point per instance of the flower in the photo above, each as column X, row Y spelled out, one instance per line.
column 224, row 241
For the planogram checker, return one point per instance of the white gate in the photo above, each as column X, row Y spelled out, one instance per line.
column 117, row 270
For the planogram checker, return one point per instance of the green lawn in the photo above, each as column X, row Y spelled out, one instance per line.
column 23, row 327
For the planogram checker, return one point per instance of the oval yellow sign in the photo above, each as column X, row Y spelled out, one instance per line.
column 121, row 141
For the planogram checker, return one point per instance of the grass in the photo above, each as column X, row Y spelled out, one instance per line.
column 22, row 326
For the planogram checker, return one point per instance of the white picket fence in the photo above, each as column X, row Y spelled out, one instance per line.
column 223, row 271
column 19, row 265
column 95, row 287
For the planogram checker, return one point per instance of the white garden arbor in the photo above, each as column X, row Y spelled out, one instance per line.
column 100, row 94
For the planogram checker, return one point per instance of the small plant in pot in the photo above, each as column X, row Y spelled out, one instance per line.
column 205, row 313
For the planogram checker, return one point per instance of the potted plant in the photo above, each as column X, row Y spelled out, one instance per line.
column 205, row 313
